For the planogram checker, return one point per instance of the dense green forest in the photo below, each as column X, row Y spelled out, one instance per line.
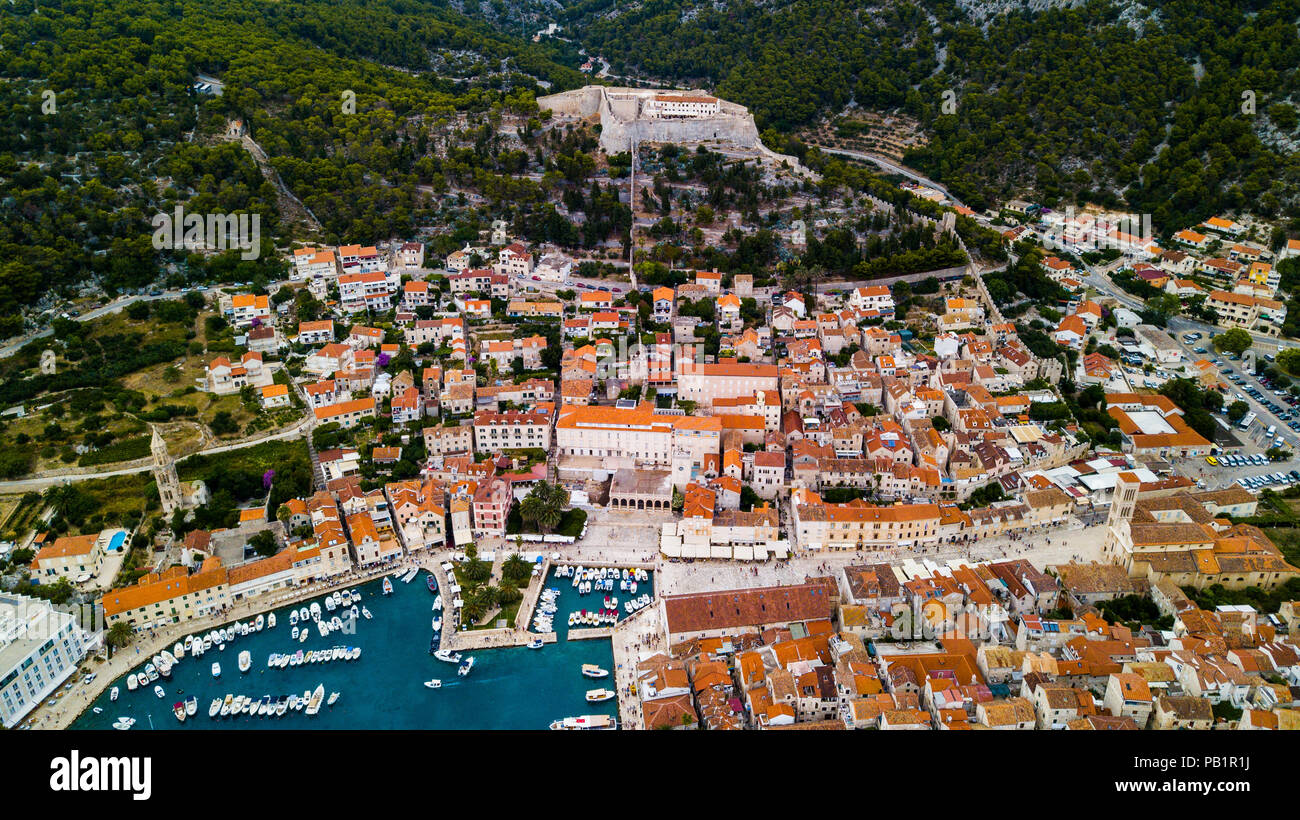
column 1069, row 105
column 101, row 126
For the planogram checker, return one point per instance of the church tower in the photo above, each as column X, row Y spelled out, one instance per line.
column 1118, row 542
column 164, row 472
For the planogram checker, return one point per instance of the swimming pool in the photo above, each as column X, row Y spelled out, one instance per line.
column 119, row 538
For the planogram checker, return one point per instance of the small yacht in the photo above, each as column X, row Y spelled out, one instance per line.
column 591, row 670
column 433, row 684
column 585, row 722
column 245, row 661
column 216, row 669
column 317, row 696
column 178, row 651
column 332, row 699
column 447, row 655
column 314, row 609
column 599, row 695
column 112, row 693
column 535, row 643
column 465, row 666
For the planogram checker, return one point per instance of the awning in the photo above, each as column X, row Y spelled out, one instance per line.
column 720, row 551
column 673, row 549
column 744, row 553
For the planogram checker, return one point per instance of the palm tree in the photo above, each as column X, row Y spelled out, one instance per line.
column 120, row 634
column 515, row 567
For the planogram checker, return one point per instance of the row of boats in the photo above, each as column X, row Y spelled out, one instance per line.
column 595, row 617
column 602, row 579
column 544, row 615
column 309, row 702
column 590, row 670
column 277, row 660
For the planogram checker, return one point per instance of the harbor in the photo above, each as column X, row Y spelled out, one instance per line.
column 386, row 683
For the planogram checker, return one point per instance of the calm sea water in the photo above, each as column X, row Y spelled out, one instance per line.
column 517, row 688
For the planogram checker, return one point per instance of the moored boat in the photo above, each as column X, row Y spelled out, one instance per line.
column 112, row 693
column 599, row 695
column 158, row 690
column 388, row 586
column 591, row 670
column 535, row 643
column 270, row 621
column 245, row 661
column 216, row 669
column 585, row 722
column 214, row 707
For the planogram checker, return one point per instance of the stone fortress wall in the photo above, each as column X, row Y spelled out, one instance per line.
column 619, row 111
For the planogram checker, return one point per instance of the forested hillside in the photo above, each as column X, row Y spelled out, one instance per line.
column 124, row 134
column 1066, row 105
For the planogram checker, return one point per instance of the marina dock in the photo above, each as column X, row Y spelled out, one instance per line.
column 590, row 633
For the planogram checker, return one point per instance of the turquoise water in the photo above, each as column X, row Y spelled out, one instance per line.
column 118, row 538
column 517, row 688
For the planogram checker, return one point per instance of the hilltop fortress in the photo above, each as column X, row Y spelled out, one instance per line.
column 629, row 115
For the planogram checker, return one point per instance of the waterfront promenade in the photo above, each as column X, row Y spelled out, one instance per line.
column 150, row 642
column 635, row 639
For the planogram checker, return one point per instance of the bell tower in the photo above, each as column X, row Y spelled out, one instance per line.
column 164, row 472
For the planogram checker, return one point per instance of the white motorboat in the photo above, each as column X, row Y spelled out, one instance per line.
column 599, row 695
column 465, row 666
column 293, row 617
column 259, row 624
column 112, row 693
column 281, row 706
column 191, row 705
column 304, row 614
column 365, row 613
column 437, row 603
column 214, row 707
column 315, row 611
column 535, row 643
column 131, row 683
column 330, row 605
column 447, row 655
column 317, row 697
column 270, row 621
column 433, row 684
column 591, row 670
column 245, row 661
column 293, row 633
column 99, row 710
column 124, row 723
column 585, row 722
column 332, row 699
column 216, row 669
column 178, row 651
column 437, row 624
column 158, row 690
